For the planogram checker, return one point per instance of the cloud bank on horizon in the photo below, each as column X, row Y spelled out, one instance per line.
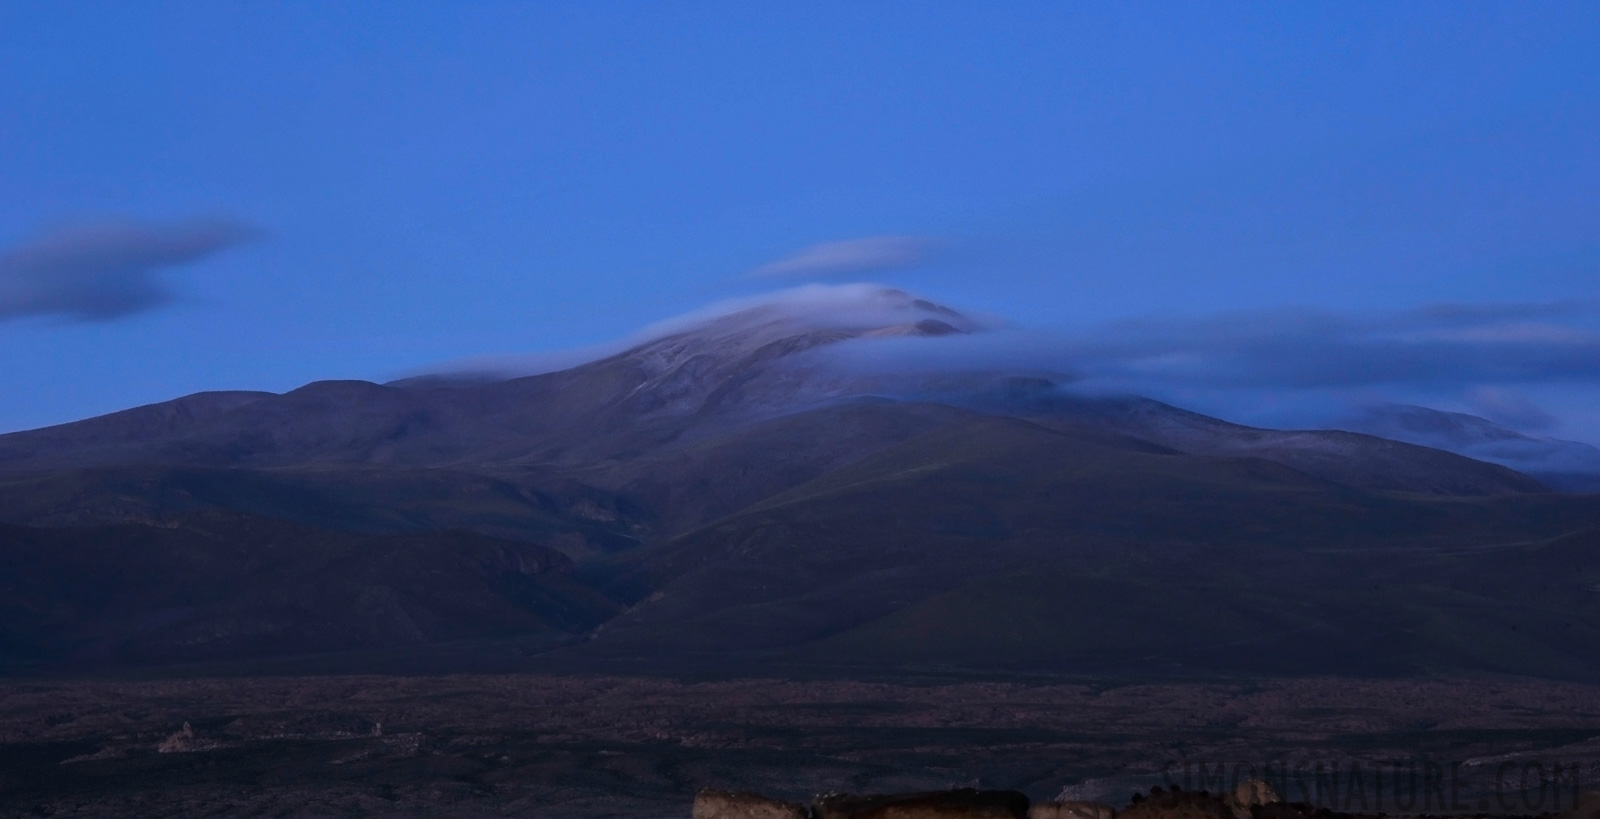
column 105, row 271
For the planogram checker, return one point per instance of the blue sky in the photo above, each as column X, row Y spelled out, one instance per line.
column 357, row 190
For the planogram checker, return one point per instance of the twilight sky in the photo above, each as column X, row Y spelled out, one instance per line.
column 1249, row 209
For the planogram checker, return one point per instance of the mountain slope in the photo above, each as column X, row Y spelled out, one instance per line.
column 1565, row 465
column 1004, row 544
column 1354, row 459
column 229, row 587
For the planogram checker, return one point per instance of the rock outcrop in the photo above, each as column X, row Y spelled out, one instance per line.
column 180, row 743
column 1071, row 809
column 1249, row 794
column 1176, row 804
column 965, row 803
column 714, row 804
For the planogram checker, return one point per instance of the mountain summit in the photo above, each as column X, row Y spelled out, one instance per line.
column 824, row 312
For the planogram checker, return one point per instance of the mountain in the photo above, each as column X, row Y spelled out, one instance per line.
column 718, row 493
column 1565, row 465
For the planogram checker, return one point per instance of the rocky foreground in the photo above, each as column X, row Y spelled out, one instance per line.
column 575, row 746
column 1254, row 799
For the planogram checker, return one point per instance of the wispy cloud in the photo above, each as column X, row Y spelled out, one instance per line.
column 106, row 271
column 1439, row 345
column 1463, row 346
column 1295, row 366
column 848, row 257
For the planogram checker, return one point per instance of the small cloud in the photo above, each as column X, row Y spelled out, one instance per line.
column 851, row 256
column 106, row 271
